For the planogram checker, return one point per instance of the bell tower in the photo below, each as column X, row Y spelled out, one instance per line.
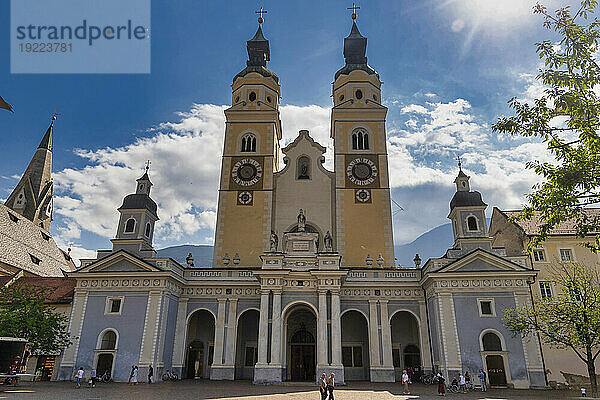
column 250, row 156
column 361, row 162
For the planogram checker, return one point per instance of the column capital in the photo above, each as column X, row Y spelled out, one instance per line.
column 233, row 300
column 222, row 299
column 322, row 292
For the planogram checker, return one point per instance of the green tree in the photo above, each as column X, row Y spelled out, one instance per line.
column 566, row 119
column 570, row 320
column 23, row 314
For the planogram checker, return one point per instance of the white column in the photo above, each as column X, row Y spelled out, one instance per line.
column 230, row 348
column 180, row 330
column 386, row 335
column 150, row 328
column 219, row 333
column 263, row 328
column 322, row 329
column 75, row 326
column 276, row 330
column 336, row 330
column 424, row 344
column 373, row 334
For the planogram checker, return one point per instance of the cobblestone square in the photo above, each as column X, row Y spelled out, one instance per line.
column 202, row 389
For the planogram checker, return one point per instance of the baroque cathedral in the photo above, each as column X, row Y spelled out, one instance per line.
column 303, row 280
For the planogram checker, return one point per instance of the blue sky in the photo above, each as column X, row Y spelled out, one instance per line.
column 448, row 69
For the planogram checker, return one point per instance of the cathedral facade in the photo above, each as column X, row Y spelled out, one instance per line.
column 303, row 280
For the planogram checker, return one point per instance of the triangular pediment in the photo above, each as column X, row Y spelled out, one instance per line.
column 482, row 261
column 120, row 261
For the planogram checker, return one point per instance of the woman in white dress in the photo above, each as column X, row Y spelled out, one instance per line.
column 134, row 377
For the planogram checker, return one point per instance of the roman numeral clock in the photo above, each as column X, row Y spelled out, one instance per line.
column 246, row 174
column 362, row 174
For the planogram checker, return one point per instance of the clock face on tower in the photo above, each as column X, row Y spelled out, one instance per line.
column 361, row 171
column 246, row 172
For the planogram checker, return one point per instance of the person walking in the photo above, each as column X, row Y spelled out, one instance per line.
column 323, row 386
column 462, row 384
column 441, row 385
column 468, row 380
column 131, row 374
column 150, row 373
column 405, row 381
column 93, row 377
column 79, row 375
column 331, row 385
column 134, row 375
column 482, row 380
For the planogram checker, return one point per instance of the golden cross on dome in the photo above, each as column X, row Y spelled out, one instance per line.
column 260, row 17
column 353, row 8
column 54, row 115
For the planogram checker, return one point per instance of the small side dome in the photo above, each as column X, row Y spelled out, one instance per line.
column 467, row 199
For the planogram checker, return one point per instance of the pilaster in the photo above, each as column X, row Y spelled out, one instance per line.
column 179, row 341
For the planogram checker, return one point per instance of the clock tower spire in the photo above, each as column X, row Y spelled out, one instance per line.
column 250, row 157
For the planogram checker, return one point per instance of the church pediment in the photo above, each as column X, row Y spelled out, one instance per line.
column 482, row 261
column 119, row 262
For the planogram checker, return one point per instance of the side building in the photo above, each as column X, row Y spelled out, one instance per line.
column 561, row 246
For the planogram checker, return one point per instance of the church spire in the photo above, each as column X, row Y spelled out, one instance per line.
column 32, row 197
column 355, row 50
column 258, row 52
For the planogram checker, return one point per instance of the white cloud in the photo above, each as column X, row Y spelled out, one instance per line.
column 457, row 25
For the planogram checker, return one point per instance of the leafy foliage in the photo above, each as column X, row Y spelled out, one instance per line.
column 571, row 319
column 566, row 119
column 23, row 314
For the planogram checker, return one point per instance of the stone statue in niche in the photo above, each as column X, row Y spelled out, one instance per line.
column 303, row 173
column 328, row 241
column 274, row 241
column 301, row 221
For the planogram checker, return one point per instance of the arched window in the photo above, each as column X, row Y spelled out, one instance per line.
column 130, row 225
column 472, row 223
column 148, row 227
column 109, row 341
column 248, row 143
column 303, row 168
column 491, row 342
column 360, row 140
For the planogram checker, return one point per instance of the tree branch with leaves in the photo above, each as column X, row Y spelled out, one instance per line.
column 569, row 320
column 566, row 119
column 24, row 314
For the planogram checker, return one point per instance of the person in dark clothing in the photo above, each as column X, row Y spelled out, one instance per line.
column 441, row 385
column 331, row 385
column 150, row 373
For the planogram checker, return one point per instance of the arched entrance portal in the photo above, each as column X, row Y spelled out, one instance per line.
column 301, row 333
column 199, row 344
column 406, row 352
column 496, row 370
column 246, row 353
column 355, row 346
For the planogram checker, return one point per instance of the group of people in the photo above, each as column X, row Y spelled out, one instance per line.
column 326, row 386
column 80, row 374
column 462, row 382
column 133, row 376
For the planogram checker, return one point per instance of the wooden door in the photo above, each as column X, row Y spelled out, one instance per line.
column 495, row 368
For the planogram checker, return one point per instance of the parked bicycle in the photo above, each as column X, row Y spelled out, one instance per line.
column 169, row 376
column 429, row 379
column 106, row 377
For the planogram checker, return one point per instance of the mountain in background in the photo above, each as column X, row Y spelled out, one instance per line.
column 202, row 254
column 430, row 244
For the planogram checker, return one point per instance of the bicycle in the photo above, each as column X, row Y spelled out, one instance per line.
column 169, row 376
column 428, row 379
column 452, row 388
column 106, row 377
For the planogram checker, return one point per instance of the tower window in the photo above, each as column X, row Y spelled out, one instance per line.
column 360, row 140
column 130, row 225
column 341, row 97
column 35, row 260
column 252, row 96
column 248, row 143
column 237, row 99
column 472, row 224
column 375, row 97
column 269, row 99
column 147, row 232
column 358, row 94
column 13, row 218
column 303, row 168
